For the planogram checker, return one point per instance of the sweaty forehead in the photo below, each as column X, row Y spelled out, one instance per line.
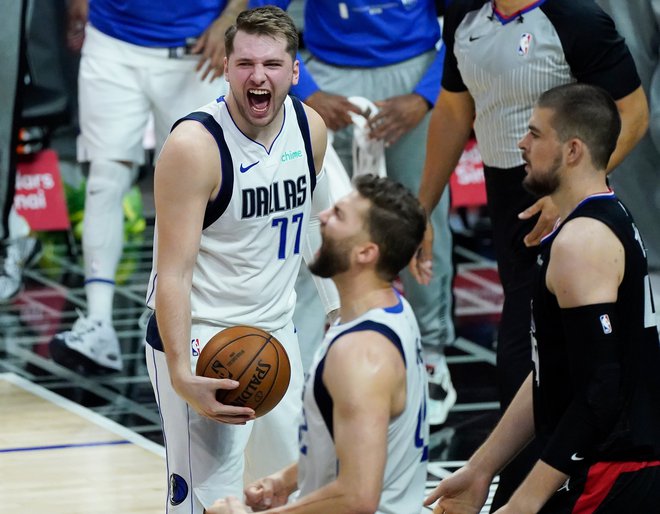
column 259, row 46
column 354, row 204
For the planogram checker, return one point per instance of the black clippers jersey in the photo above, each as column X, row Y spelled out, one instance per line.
column 635, row 434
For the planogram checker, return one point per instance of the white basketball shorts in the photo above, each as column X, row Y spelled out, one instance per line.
column 207, row 460
column 120, row 84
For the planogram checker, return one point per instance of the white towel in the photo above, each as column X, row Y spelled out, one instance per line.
column 368, row 154
column 338, row 180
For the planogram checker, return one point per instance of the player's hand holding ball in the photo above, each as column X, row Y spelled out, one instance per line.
column 200, row 393
column 253, row 362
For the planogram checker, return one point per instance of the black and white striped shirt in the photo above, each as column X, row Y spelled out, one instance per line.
column 506, row 62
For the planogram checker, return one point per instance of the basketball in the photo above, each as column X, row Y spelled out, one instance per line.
column 253, row 358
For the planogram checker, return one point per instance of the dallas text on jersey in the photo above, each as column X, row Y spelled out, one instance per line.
column 279, row 196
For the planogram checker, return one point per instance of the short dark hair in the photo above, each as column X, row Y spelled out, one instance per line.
column 396, row 222
column 588, row 113
column 264, row 21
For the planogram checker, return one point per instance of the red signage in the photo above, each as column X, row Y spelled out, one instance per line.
column 468, row 188
column 39, row 194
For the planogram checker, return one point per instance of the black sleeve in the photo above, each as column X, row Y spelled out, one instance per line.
column 595, row 373
column 441, row 7
column 451, row 76
column 594, row 50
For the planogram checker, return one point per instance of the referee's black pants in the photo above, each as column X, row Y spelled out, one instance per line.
column 515, row 263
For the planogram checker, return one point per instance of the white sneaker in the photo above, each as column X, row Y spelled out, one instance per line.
column 11, row 272
column 90, row 346
column 442, row 395
column 16, row 254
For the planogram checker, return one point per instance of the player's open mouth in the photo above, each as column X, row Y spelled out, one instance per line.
column 259, row 100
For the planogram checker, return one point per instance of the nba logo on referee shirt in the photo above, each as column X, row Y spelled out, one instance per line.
column 525, row 43
column 605, row 323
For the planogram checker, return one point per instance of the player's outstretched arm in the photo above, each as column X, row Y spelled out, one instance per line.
column 466, row 490
column 186, row 179
column 536, row 489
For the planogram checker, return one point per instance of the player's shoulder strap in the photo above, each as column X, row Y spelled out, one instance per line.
column 321, row 394
column 374, row 326
column 609, row 210
column 215, row 208
column 301, row 115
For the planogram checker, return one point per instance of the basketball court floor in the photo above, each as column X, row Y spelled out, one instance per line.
column 71, row 443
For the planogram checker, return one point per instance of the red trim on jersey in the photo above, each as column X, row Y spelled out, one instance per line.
column 600, row 480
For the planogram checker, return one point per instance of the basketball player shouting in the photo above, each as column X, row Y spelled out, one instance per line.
column 593, row 398
column 363, row 432
column 233, row 193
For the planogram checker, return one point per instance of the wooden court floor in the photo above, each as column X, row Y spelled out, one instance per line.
column 61, row 458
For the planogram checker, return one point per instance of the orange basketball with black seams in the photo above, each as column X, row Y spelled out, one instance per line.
column 252, row 357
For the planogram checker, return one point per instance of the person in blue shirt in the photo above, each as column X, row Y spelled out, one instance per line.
column 139, row 57
column 387, row 53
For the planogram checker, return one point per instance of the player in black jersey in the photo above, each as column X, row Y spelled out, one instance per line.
column 593, row 398
column 501, row 55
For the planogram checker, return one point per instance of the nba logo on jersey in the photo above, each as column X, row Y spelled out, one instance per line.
column 605, row 323
column 525, row 43
column 194, row 347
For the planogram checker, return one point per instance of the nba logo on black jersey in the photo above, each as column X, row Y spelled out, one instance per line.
column 605, row 323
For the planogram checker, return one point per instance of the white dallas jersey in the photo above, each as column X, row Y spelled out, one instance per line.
column 407, row 439
column 249, row 254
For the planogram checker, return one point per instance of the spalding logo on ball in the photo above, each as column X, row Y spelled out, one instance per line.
column 252, row 357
